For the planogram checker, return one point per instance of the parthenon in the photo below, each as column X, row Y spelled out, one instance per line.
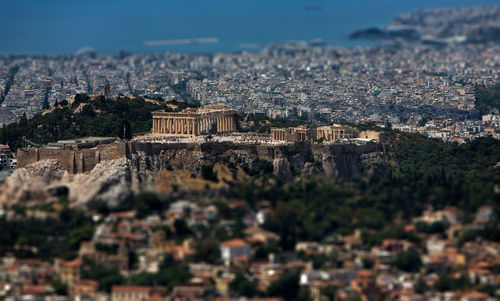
column 214, row 118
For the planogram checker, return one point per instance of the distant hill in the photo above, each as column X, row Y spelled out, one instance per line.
column 439, row 27
column 85, row 116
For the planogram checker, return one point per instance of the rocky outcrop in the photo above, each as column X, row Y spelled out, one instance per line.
column 148, row 167
column 282, row 169
column 31, row 183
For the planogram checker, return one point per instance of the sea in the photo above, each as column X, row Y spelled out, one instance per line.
column 48, row 27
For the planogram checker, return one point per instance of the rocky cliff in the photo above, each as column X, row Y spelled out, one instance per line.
column 147, row 166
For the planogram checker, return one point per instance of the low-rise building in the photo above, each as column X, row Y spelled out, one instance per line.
column 130, row 293
column 234, row 248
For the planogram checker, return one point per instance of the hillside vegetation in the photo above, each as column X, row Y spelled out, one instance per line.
column 487, row 99
column 85, row 117
column 432, row 173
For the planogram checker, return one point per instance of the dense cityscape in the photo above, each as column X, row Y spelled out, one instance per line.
column 292, row 171
column 418, row 89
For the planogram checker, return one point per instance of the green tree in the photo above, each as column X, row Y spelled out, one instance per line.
column 171, row 273
column 329, row 292
column 106, row 277
column 181, row 228
column 242, row 286
column 61, row 289
column 80, row 234
column 148, row 202
column 286, row 287
column 207, row 251
column 208, row 173
column 420, row 286
column 409, row 260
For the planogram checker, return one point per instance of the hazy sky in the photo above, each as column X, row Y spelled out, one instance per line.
column 63, row 26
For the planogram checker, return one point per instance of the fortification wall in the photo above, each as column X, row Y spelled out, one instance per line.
column 84, row 160
column 73, row 160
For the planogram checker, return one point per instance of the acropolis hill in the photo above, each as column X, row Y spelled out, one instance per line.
column 113, row 171
column 346, row 160
column 189, row 129
column 181, row 144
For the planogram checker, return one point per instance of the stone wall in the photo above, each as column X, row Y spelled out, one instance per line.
column 73, row 160
column 344, row 159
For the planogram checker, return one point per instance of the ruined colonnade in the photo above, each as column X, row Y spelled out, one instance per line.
column 192, row 122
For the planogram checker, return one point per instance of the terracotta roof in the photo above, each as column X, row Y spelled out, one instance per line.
column 87, row 244
column 124, row 214
column 237, row 204
column 72, row 263
column 410, row 228
column 35, row 290
column 364, row 273
column 475, row 294
column 234, row 243
column 129, row 288
column 29, row 261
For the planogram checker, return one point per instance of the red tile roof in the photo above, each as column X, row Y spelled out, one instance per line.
column 234, row 243
column 130, row 288
column 475, row 294
column 72, row 263
column 29, row 261
column 35, row 290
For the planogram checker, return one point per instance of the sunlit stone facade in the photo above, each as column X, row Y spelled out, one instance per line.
column 215, row 118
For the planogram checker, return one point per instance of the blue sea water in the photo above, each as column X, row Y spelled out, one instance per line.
column 36, row 27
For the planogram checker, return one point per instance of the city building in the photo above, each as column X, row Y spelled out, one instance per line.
column 233, row 249
column 130, row 293
column 70, row 273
